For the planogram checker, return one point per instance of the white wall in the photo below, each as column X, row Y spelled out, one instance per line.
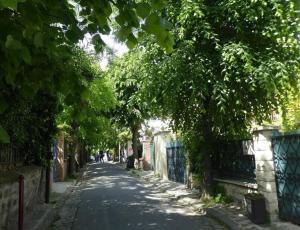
column 160, row 142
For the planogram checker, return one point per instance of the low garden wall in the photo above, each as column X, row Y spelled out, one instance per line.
column 237, row 189
column 262, row 165
column 9, row 192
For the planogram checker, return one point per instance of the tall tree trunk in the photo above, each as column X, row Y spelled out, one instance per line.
column 135, row 134
column 207, row 151
column 71, row 165
column 77, row 155
column 207, row 174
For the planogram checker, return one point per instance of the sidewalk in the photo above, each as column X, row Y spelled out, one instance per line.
column 66, row 198
column 42, row 216
column 231, row 215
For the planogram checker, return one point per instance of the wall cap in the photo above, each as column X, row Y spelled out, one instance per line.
column 162, row 132
column 238, row 182
column 266, row 128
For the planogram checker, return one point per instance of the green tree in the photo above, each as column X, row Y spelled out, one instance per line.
column 85, row 106
column 131, row 110
column 233, row 63
column 37, row 37
column 291, row 110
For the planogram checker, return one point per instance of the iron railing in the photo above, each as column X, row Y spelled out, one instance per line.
column 9, row 154
column 234, row 160
column 286, row 149
column 176, row 162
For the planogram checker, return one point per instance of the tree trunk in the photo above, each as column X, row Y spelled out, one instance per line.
column 77, row 155
column 71, row 160
column 207, row 174
column 135, row 134
column 207, row 151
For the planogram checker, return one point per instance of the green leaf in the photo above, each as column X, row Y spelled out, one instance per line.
column 12, row 4
column 143, row 9
column 3, row 105
column 98, row 43
column 4, row 137
column 85, row 94
column 38, row 40
column 132, row 41
column 166, row 40
column 10, row 77
column 141, row 35
column 158, row 4
column 11, row 43
column 120, row 19
column 123, row 33
column 28, row 32
column 92, row 28
column 107, row 9
column 131, row 18
column 26, row 55
column 165, row 24
column 152, row 24
column 74, row 34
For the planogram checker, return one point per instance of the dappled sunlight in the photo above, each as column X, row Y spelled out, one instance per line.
column 114, row 189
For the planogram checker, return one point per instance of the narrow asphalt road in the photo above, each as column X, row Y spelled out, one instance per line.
column 112, row 199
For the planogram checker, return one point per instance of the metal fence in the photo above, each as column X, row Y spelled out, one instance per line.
column 286, row 149
column 234, row 160
column 9, row 154
column 176, row 163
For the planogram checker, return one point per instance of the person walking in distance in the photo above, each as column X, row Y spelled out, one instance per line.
column 101, row 156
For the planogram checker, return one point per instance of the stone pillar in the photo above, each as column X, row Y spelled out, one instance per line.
column 265, row 170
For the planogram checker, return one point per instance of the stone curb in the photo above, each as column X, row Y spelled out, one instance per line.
column 233, row 225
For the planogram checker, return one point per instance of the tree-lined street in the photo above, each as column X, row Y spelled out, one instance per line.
column 110, row 198
column 220, row 75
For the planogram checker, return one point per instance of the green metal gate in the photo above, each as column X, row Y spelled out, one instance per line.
column 286, row 150
column 176, row 162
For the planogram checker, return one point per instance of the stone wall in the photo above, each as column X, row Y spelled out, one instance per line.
column 237, row 189
column 9, row 192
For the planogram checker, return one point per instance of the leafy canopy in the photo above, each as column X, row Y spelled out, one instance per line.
column 233, row 63
column 37, row 38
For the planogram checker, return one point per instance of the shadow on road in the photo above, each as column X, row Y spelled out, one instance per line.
column 113, row 199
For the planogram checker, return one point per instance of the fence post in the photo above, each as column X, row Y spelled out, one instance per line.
column 21, row 202
column 265, row 170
